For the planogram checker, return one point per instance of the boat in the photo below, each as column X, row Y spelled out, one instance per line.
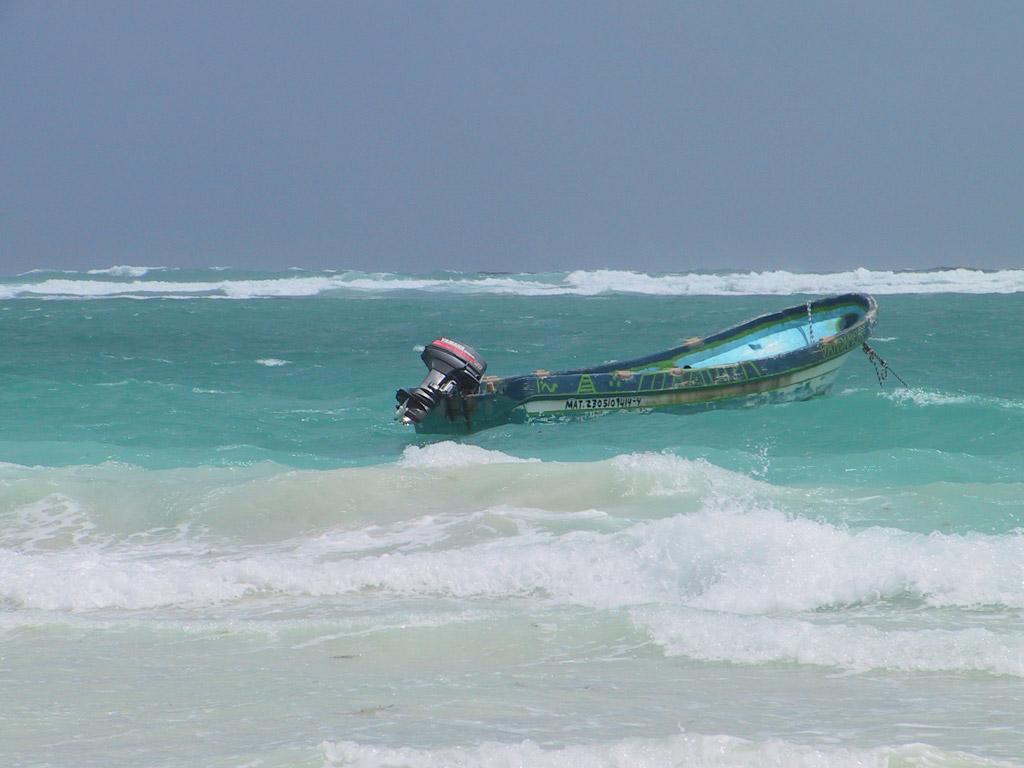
column 792, row 354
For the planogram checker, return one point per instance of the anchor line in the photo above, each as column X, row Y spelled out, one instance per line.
column 882, row 369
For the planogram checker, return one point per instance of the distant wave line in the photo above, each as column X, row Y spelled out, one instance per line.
column 578, row 283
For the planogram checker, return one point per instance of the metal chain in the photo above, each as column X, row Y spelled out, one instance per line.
column 810, row 324
column 882, row 369
column 880, row 372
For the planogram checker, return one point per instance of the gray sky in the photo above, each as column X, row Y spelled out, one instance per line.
column 511, row 136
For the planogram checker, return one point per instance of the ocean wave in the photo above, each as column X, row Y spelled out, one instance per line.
column 692, row 750
column 782, row 282
column 739, row 561
column 55, row 521
column 246, row 503
column 579, row 283
column 923, row 397
column 637, row 530
column 712, row 636
column 125, row 270
column 451, row 454
column 46, row 271
column 120, row 270
column 231, row 289
column 291, row 628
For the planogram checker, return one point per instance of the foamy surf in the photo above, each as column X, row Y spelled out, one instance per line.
column 125, row 270
column 691, row 750
column 715, row 636
column 924, row 397
column 451, row 454
column 731, row 556
column 268, row 502
column 576, row 283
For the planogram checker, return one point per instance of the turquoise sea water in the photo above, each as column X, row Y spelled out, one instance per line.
column 217, row 548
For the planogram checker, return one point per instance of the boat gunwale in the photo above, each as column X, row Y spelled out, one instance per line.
column 788, row 371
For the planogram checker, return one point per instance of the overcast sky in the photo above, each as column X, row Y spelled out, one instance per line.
column 511, row 136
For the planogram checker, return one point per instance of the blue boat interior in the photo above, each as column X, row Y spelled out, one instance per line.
column 771, row 340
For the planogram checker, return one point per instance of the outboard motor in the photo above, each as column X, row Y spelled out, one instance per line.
column 455, row 369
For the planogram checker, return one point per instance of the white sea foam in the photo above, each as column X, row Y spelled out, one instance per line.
column 583, row 283
column 664, row 474
column 125, row 271
column 272, row 362
column 690, row 750
column 723, row 577
column 45, row 271
column 54, row 522
column 232, row 289
column 923, row 397
column 298, row 631
column 755, row 562
column 120, row 270
column 712, row 636
column 452, row 454
column 522, row 285
column 782, row 282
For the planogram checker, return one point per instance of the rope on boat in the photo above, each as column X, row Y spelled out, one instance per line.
column 810, row 324
column 882, row 369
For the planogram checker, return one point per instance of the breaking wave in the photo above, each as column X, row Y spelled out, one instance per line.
column 723, row 576
column 451, row 454
column 125, row 270
column 580, row 282
column 712, row 636
column 703, row 562
column 748, row 562
column 691, row 750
